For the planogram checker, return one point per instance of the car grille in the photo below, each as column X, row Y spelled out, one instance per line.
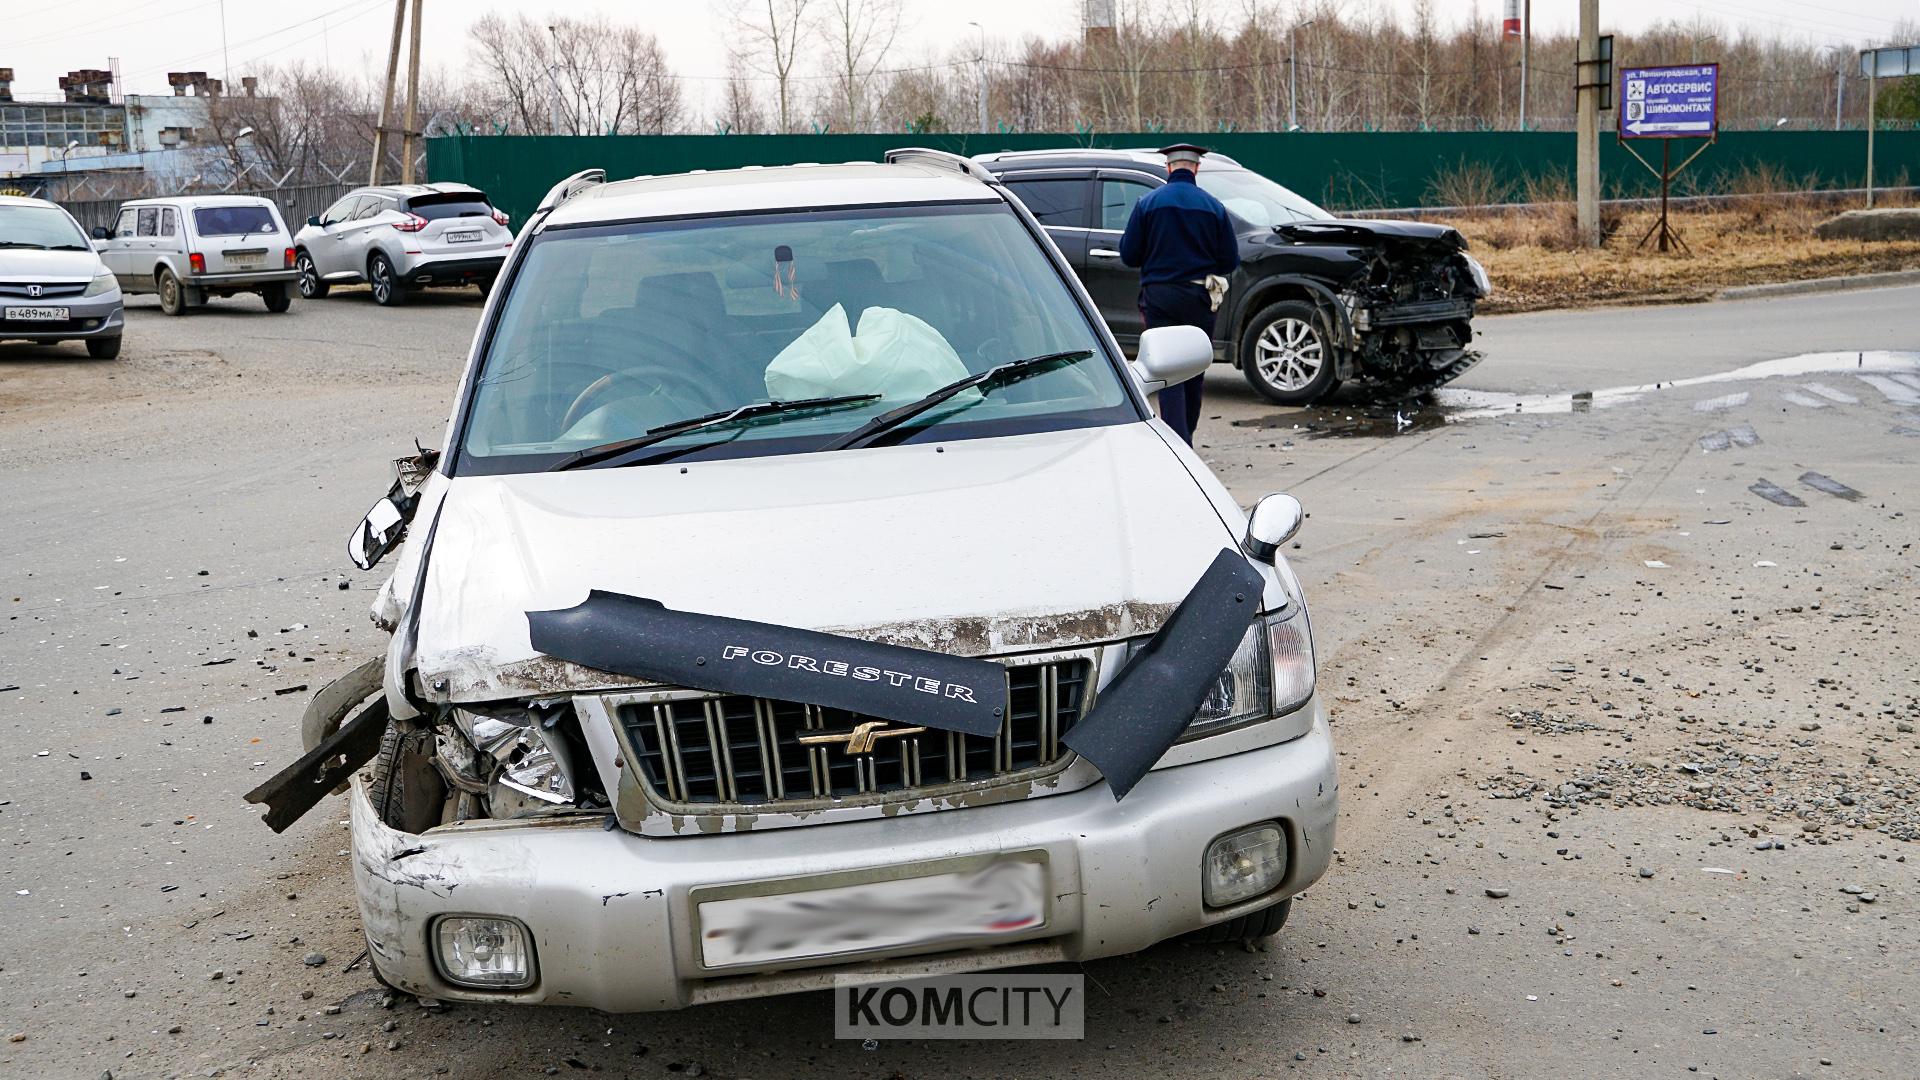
column 47, row 292
column 733, row 749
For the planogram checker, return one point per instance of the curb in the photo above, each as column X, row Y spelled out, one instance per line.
column 1820, row 285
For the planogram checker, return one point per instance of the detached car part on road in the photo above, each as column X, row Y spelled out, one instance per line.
column 53, row 286
column 403, row 237
column 807, row 589
column 1317, row 300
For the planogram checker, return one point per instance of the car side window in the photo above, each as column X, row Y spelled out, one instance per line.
column 1116, row 202
column 1058, row 201
column 340, row 211
column 149, row 221
column 166, row 221
column 370, row 206
column 124, row 228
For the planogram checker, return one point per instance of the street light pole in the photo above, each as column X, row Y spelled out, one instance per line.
column 1293, row 73
column 980, row 73
column 1526, row 47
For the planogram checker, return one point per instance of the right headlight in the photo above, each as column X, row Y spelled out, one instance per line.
column 1271, row 674
column 103, row 283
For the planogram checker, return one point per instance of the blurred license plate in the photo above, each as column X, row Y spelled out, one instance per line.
column 243, row 262
column 1002, row 898
column 465, row 237
column 37, row 314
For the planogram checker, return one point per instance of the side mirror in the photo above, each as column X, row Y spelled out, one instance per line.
column 99, row 232
column 1274, row 521
column 383, row 528
column 313, row 220
column 1172, row 354
column 386, row 523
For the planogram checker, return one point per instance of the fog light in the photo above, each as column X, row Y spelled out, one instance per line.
column 1244, row 864
column 488, row 953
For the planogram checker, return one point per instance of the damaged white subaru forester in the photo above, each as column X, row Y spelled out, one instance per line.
column 805, row 589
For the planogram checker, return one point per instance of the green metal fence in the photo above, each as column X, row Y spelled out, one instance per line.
column 1343, row 170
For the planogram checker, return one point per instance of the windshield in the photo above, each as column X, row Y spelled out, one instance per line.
column 1257, row 200
column 233, row 220
column 610, row 331
column 40, row 227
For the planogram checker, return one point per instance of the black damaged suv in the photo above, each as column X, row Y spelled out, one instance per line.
column 1317, row 300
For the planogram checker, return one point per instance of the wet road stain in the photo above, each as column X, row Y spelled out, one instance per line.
column 1822, row 482
column 1774, row 493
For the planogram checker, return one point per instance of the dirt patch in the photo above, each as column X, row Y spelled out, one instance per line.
column 1535, row 264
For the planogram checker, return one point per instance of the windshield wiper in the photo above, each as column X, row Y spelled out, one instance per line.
column 610, row 452
column 23, row 244
column 991, row 379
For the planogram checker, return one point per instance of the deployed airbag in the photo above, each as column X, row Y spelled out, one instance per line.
column 1144, row 710
column 893, row 354
column 632, row 635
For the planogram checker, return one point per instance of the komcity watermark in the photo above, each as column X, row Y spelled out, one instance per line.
column 999, row 1006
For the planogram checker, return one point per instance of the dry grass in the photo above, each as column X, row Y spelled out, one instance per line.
column 1535, row 262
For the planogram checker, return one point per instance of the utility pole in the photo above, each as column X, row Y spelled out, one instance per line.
column 1872, row 78
column 386, row 103
column 1839, row 93
column 409, row 136
column 1526, row 47
column 1586, row 170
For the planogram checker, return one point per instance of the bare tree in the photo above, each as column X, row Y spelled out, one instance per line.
column 576, row 76
column 773, row 31
column 859, row 36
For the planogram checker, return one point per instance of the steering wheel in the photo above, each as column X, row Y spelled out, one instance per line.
column 669, row 380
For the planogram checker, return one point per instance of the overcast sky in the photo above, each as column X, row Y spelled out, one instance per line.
column 42, row 41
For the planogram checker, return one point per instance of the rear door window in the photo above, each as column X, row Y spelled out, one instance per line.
column 369, row 206
column 1057, row 201
column 340, row 211
column 149, row 221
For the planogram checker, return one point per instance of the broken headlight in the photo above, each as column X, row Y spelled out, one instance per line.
column 1482, row 284
column 1271, row 674
column 523, row 757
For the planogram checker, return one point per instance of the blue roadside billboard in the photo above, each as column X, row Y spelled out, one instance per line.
column 1681, row 102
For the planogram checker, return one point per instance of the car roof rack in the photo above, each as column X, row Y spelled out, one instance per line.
column 571, row 186
column 907, row 155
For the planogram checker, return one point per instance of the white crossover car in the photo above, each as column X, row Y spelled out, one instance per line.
column 806, row 587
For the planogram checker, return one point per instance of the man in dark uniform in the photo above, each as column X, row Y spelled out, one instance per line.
column 1177, row 236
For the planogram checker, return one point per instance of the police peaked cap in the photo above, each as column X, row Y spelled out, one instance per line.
column 1183, row 152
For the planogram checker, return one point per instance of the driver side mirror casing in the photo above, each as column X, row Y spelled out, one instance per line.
column 99, row 232
column 1172, row 354
column 314, row 220
column 385, row 525
column 1274, row 521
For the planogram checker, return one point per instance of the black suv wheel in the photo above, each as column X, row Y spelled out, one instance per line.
column 1285, row 355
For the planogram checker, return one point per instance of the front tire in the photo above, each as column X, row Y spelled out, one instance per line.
column 103, row 348
column 173, row 296
column 277, row 298
column 387, row 289
column 1285, row 355
column 311, row 286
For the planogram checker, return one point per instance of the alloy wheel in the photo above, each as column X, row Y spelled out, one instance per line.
column 1289, row 354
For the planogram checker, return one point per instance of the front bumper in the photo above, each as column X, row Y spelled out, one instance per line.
column 450, row 270
column 611, row 916
column 89, row 317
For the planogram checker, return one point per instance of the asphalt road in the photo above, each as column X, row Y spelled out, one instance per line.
column 1570, row 655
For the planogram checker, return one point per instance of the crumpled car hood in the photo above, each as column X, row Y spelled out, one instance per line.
column 1364, row 230
column 978, row 547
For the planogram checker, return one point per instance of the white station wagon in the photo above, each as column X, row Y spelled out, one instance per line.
column 805, row 590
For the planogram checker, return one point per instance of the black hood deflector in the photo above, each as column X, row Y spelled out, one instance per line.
column 1143, row 712
column 631, row 635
